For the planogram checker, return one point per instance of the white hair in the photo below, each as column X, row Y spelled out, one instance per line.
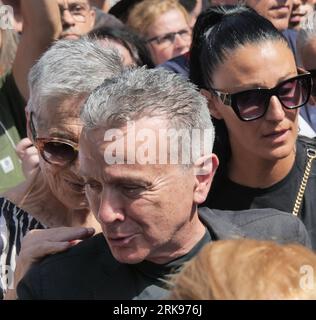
column 155, row 93
column 70, row 69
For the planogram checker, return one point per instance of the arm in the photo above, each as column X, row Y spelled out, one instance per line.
column 41, row 26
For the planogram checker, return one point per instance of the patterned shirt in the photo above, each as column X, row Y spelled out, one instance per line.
column 14, row 224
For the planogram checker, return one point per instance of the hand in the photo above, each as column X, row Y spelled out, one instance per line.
column 37, row 244
column 29, row 157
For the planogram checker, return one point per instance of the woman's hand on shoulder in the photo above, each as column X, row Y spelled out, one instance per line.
column 37, row 244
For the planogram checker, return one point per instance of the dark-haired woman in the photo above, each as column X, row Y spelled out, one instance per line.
column 247, row 71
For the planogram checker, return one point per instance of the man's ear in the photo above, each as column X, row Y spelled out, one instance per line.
column 205, row 168
column 212, row 103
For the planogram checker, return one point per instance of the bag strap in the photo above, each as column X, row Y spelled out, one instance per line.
column 311, row 155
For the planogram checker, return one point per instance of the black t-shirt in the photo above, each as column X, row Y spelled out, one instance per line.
column 228, row 195
column 89, row 271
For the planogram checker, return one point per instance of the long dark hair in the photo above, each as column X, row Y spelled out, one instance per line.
column 218, row 31
column 135, row 45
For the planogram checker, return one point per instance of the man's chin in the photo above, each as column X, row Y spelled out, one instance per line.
column 125, row 257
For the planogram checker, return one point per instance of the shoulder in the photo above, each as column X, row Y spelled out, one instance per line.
column 88, row 255
column 178, row 65
column 263, row 224
column 90, row 248
column 73, row 274
column 306, row 150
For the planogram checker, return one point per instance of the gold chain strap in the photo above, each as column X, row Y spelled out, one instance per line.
column 311, row 155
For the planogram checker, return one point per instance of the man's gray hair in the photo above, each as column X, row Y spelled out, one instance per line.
column 154, row 93
column 307, row 31
column 70, row 69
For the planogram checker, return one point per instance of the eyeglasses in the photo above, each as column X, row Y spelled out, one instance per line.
column 253, row 104
column 168, row 39
column 313, row 74
column 56, row 151
column 78, row 11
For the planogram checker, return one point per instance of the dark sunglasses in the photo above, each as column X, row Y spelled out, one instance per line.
column 313, row 74
column 56, row 151
column 253, row 104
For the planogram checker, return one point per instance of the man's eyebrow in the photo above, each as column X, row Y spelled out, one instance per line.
column 129, row 180
column 116, row 180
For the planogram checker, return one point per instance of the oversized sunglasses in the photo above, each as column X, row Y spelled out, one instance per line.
column 56, row 151
column 313, row 74
column 253, row 104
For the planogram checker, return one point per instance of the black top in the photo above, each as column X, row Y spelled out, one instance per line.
column 89, row 271
column 228, row 195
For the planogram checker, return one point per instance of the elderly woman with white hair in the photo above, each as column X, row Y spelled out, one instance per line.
column 54, row 196
column 306, row 47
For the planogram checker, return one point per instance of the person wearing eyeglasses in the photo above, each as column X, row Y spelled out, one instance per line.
column 77, row 17
column 245, row 68
column 165, row 26
column 54, row 197
column 306, row 46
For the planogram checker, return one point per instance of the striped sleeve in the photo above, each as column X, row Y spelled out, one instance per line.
column 14, row 224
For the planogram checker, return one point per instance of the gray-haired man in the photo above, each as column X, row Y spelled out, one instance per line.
column 145, row 155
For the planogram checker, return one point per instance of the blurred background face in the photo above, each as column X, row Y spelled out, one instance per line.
column 77, row 18
column 308, row 54
column 63, row 121
column 166, row 47
column 301, row 8
column 277, row 11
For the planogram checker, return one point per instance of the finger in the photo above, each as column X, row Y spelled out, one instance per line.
column 30, row 162
column 31, row 151
column 62, row 234
column 22, row 146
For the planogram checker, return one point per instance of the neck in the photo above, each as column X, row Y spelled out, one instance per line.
column 255, row 172
column 35, row 197
column 186, row 237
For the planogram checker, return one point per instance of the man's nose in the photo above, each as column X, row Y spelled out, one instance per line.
column 110, row 209
column 67, row 18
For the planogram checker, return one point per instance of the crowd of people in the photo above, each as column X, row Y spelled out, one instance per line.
column 157, row 149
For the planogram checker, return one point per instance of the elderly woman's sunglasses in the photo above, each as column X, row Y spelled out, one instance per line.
column 253, row 104
column 56, row 151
